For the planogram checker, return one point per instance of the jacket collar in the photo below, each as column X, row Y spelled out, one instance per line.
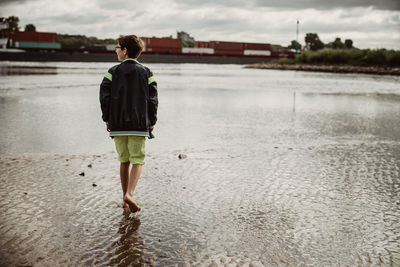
column 132, row 59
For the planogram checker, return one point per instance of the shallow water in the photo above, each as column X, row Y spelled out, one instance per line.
column 283, row 167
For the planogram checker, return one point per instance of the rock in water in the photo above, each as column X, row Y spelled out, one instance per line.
column 182, row 156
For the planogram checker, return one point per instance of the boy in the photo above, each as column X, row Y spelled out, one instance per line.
column 129, row 102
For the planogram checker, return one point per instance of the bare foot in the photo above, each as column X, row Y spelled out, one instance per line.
column 125, row 205
column 132, row 204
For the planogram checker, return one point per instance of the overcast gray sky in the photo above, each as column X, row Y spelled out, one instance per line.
column 369, row 23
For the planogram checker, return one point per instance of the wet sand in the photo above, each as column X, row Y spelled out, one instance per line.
column 272, row 176
column 326, row 205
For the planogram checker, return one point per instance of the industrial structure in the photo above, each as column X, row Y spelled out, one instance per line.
column 48, row 41
column 159, row 47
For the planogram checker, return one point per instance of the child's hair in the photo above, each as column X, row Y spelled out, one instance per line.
column 133, row 44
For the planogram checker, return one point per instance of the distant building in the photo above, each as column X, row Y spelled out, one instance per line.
column 187, row 40
column 3, row 33
column 3, row 24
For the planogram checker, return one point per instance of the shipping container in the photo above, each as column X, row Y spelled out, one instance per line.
column 201, row 44
column 226, row 45
column 257, row 46
column 228, row 52
column 197, row 50
column 257, row 52
column 163, row 50
column 37, row 45
column 162, row 42
column 45, row 37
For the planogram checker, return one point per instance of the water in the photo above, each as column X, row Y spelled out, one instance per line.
column 283, row 167
column 201, row 106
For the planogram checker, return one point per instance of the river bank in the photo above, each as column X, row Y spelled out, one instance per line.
column 380, row 70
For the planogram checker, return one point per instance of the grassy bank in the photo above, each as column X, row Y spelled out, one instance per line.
column 377, row 61
column 353, row 57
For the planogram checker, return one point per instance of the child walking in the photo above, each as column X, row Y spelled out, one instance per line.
column 129, row 102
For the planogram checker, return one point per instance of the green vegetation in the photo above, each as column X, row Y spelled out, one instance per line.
column 12, row 23
column 64, row 39
column 79, row 40
column 313, row 42
column 354, row 57
column 30, row 28
column 357, row 57
column 348, row 43
column 295, row 45
column 339, row 53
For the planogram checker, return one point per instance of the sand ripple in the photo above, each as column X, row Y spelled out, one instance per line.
column 333, row 204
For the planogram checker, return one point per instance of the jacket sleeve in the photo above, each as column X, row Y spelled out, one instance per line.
column 105, row 95
column 153, row 100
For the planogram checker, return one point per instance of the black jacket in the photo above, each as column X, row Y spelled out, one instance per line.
column 128, row 99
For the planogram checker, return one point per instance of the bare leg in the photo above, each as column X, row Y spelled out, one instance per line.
column 124, row 174
column 132, row 182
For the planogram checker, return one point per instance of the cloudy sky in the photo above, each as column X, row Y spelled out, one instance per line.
column 369, row 23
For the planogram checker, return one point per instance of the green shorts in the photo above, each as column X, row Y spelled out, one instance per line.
column 130, row 148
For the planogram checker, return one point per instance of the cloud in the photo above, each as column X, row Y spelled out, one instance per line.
column 235, row 20
column 6, row 2
column 298, row 4
column 325, row 5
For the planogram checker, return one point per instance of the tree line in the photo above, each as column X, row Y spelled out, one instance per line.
column 313, row 43
column 343, row 53
column 12, row 25
column 354, row 56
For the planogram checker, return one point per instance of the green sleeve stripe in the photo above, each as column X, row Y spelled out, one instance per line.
column 108, row 76
column 151, row 79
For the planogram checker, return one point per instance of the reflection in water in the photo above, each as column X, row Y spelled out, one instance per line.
column 300, row 170
column 130, row 247
column 27, row 70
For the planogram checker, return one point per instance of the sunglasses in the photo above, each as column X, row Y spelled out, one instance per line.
column 118, row 47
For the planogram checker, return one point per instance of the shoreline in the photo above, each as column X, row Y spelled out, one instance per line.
column 328, row 68
column 144, row 58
